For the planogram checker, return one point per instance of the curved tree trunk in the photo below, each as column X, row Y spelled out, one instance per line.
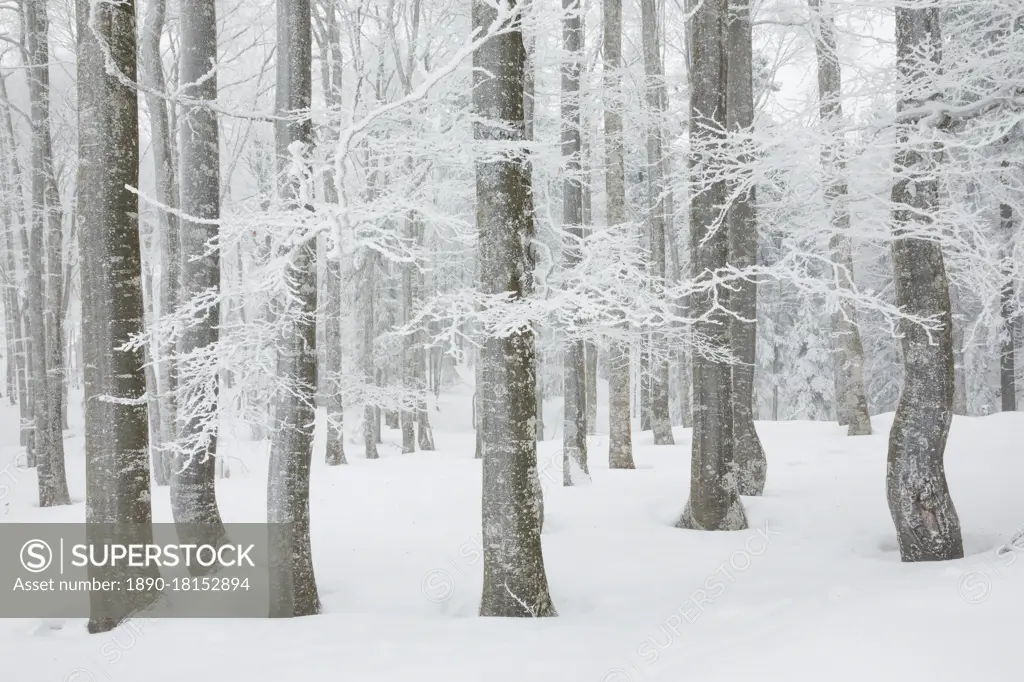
column 515, row 583
column 926, row 521
column 751, row 464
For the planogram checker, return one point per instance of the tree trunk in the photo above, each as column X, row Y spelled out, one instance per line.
column 293, row 583
column 43, row 308
column 194, row 475
column 926, row 521
column 408, row 359
column 851, row 401
column 1007, row 370
column 159, row 473
column 574, row 382
column 714, row 502
column 591, row 353
column 371, row 425
column 620, row 443
column 660, row 417
column 515, row 583
column 741, row 220
column 116, row 424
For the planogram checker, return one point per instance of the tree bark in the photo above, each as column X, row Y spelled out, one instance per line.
column 714, row 502
column 116, row 425
column 851, row 401
column 574, row 378
column 1007, row 369
column 741, row 220
column 926, row 521
column 515, row 583
column 660, row 416
column 293, row 583
column 620, row 443
column 44, row 302
column 194, row 475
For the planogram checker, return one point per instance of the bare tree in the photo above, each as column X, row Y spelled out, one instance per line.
column 293, row 583
column 620, row 442
column 1007, row 363
column 117, row 462
column 515, row 583
column 714, row 502
column 926, row 521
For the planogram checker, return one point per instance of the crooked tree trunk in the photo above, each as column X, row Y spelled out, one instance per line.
column 620, row 442
column 851, row 400
column 660, row 416
column 194, row 474
column 714, row 502
column 1007, row 369
column 741, row 219
column 574, row 378
column 293, row 590
column 926, row 521
column 167, row 243
column 515, row 583
column 116, row 439
column 44, row 302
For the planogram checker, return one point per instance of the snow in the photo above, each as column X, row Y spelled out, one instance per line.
column 813, row 590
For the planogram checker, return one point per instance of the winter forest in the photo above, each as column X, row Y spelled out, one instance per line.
column 502, row 307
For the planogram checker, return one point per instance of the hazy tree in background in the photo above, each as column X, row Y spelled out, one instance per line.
column 620, row 443
column 927, row 525
column 851, row 401
column 660, row 417
column 44, row 292
column 574, row 422
column 194, row 476
column 116, row 425
column 515, row 583
column 714, row 502
column 293, row 583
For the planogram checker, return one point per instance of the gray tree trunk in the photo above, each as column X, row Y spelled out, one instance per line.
column 741, row 220
column 1007, row 370
column 959, row 361
column 167, row 242
column 926, row 521
column 620, row 443
column 116, row 424
column 159, row 472
column 408, row 359
column 851, row 401
column 47, row 344
column 574, row 382
column 515, row 583
column 660, row 416
column 194, row 474
column 293, row 583
column 714, row 502
column 371, row 427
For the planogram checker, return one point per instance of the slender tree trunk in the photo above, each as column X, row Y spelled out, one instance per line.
column 959, row 366
column 159, row 473
column 408, row 359
column 620, row 443
column 371, row 427
column 851, row 401
column 194, row 476
column 574, row 420
column 424, row 434
column 1007, row 370
column 714, row 502
column 643, row 379
column 741, row 219
column 660, row 417
column 46, row 218
column 293, row 583
column 116, row 425
column 515, row 583
column 926, row 521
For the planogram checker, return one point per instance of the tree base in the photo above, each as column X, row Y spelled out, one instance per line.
column 734, row 519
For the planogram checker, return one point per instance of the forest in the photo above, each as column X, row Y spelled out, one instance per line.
column 500, row 307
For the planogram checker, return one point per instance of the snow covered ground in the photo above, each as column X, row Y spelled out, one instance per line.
column 814, row 590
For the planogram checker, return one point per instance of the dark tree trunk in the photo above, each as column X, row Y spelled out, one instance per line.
column 714, row 502
column 1007, row 369
column 515, row 583
column 926, row 521
column 116, row 425
column 741, row 219
column 293, row 583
